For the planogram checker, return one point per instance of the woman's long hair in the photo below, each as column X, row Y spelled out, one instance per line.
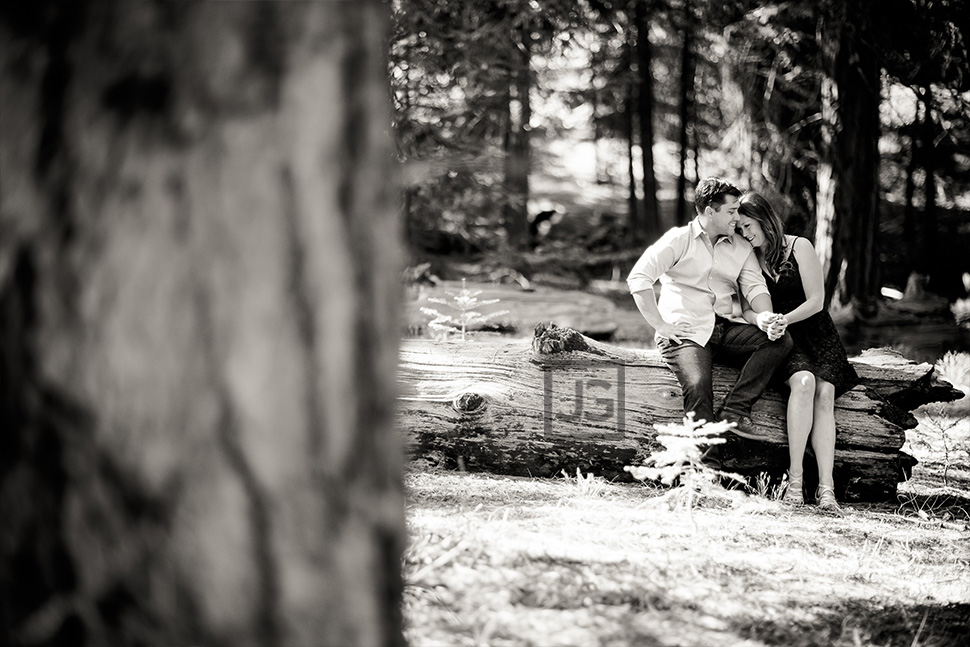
column 772, row 252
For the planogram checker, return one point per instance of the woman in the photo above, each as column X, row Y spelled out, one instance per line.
column 817, row 371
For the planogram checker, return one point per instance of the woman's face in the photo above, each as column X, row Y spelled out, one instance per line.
column 750, row 229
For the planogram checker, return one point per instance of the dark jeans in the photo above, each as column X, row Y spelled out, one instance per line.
column 741, row 345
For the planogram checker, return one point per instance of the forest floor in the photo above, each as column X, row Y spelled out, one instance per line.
column 578, row 561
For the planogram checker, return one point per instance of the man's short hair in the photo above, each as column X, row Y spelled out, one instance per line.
column 713, row 192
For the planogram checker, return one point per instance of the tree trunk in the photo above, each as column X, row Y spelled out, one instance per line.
column 848, row 176
column 650, row 216
column 909, row 207
column 635, row 214
column 198, row 321
column 404, row 105
column 517, row 145
column 927, row 245
column 687, row 66
column 569, row 402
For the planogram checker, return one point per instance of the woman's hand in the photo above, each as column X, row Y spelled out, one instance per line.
column 777, row 327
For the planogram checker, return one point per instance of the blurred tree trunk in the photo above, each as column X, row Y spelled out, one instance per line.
column 687, row 71
column 635, row 214
column 926, row 242
column 516, row 141
column 404, row 107
column 652, row 227
column 848, row 175
column 198, row 325
column 909, row 209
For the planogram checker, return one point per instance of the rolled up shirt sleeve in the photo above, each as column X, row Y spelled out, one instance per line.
column 657, row 259
column 750, row 280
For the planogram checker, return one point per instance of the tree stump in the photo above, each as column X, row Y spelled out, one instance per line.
column 567, row 402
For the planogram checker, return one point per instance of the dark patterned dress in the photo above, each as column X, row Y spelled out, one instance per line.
column 818, row 347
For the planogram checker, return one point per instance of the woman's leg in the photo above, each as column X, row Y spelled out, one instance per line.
column 800, row 418
column 802, row 385
column 823, row 431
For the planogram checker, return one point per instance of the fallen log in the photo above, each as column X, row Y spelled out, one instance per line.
column 567, row 402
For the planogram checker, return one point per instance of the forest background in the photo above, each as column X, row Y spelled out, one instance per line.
column 559, row 138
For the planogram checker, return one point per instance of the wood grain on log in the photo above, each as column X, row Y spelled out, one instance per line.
column 566, row 401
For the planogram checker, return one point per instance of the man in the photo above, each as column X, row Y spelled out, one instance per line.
column 701, row 268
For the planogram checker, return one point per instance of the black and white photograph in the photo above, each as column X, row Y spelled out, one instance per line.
column 508, row 323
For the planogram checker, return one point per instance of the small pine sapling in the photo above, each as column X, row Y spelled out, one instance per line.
column 954, row 445
column 683, row 461
column 462, row 303
column 954, row 367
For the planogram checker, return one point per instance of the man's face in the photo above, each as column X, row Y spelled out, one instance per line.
column 723, row 219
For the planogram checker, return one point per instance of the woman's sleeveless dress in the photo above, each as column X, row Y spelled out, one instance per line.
column 818, row 347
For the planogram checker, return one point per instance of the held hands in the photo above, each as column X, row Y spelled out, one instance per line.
column 773, row 324
column 777, row 329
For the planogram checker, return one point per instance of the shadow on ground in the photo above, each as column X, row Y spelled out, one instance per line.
column 865, row 622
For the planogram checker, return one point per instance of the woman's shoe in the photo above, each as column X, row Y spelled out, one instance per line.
column 826, row 499
column 793, row 493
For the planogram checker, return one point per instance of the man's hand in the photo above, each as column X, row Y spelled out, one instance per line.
column 674, row 332
column 765, row 320
column 772, row 324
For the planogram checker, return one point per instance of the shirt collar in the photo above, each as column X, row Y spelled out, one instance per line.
column 694, row 226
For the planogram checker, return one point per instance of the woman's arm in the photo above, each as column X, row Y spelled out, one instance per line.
column 764, row 319
column 812, row 281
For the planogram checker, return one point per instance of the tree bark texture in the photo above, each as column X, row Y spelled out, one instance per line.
column 198, row 318
column 567, row 402
column 517, row 145
column 848, row 175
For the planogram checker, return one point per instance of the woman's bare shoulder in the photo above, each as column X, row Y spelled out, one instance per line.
column 801, row 245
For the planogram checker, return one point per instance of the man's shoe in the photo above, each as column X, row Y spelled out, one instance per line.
column 743, row 425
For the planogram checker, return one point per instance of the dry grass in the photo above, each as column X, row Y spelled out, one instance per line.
column 503, row 561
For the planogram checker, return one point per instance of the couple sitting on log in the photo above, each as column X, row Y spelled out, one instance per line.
column 735, row 287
